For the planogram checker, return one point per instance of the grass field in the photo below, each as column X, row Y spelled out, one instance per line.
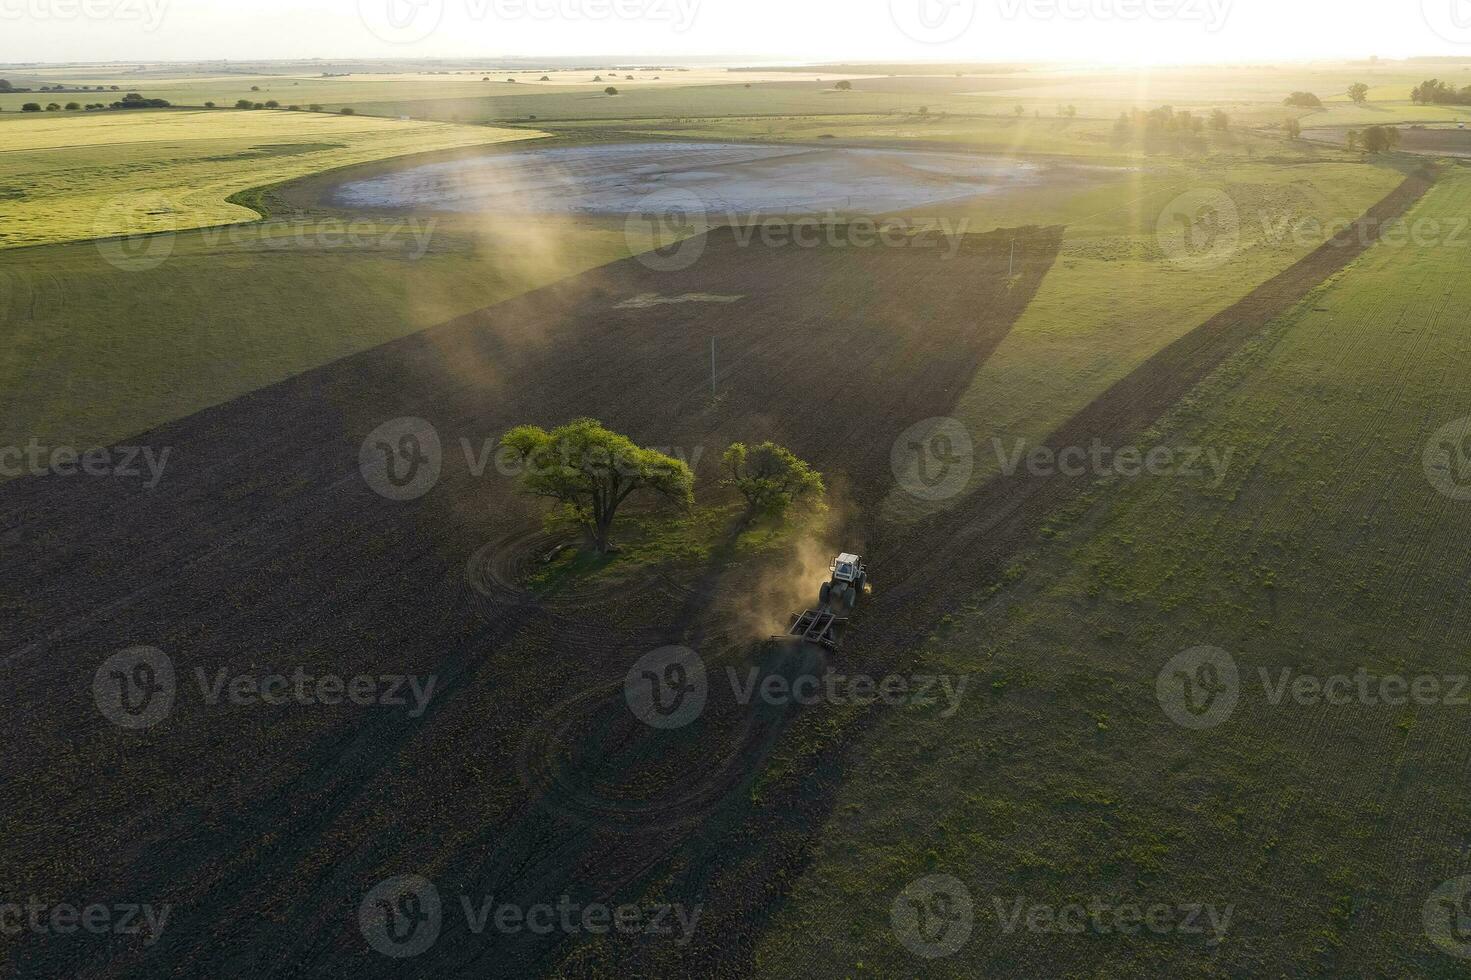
column 261, row 332
column 1325, row 549
column 360, row 88
column 1068, row 347
column 68, row 177
column 300, row 294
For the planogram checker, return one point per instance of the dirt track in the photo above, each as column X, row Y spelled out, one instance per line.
column 264, row 549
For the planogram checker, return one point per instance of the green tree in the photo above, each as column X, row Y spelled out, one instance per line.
column 1359, row 92
column 1220, row 122
column 610, row 90
column 1303, row 100
column 243, row 104
column 73, row 106
column 590, row 471
column 272, row 104
column 348, row 110
column 1353, row 139
column 1292, row 128
column 844, row 86
column 1380, row 139
column 31, row 107
column 770, row 477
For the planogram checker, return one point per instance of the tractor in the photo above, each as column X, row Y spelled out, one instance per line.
column 849, row 576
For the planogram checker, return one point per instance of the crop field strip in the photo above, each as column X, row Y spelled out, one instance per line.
column 437, row 362
column 77, row 178
column 262, row 532
column 1329, row 412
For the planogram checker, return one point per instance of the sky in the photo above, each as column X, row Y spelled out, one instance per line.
column 1125, row 32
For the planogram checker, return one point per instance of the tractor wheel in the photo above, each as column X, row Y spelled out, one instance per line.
column 862, row 581
column 826, row 594
column 851, row 598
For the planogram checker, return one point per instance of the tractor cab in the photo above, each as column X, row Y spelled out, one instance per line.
column 846, row 568
column 849, row 576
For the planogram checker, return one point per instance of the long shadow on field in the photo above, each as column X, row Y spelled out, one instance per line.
column 264, row 550
column 976, row 540
column 264, row 827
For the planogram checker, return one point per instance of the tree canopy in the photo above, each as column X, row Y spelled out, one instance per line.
column 770, row 477
column 1436, row 92
column 1304, row 100
column 1359, row 93
column 1378, row 139
column 591, row 470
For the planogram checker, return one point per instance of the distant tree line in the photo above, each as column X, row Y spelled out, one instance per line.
column 1167, row 129
column 6, row 86
column 135, row 101
column 1436, row 92
column 1167, row 119
column 130, row 101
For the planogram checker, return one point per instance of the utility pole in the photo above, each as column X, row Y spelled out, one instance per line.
column 1011, row 268
column 712, row 367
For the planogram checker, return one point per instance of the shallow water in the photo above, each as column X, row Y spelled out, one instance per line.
column 628, row 178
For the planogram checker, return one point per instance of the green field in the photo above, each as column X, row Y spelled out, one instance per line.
column 70, row 176
column 1322, row 546
column 1325, row 549
column 1068, row 347
column 225, row 313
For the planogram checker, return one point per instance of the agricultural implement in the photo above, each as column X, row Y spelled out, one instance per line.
column 817, row 626
column 824, row 625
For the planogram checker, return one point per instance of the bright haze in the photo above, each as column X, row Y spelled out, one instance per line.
column 1120, row 32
